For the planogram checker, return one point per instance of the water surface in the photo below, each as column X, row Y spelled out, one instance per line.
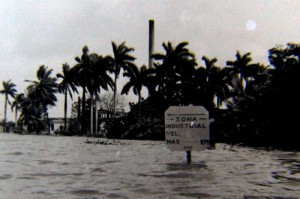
column 66, row 167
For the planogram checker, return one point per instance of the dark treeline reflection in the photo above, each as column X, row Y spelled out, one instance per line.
column 251, row 103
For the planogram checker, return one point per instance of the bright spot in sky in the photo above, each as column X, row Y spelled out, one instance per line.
column 251, row 25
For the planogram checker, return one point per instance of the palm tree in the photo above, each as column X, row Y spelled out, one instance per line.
column 32, row 113
column 91, row 73
column 67, row 85
column 98, row 73
column 257, row 77
column 150, row 81
column 240, row 66
column 223, row 80
column 210, row 66
column 174, row 70
column 16, row 104
column 217, row 80
column 43, row 90
column 81, row 78
column 8, row 91
column 100, row 80
column 121, row 60
column 136, row 80
column 211, row 81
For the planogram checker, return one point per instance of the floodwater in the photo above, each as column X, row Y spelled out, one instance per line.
column 66, row 167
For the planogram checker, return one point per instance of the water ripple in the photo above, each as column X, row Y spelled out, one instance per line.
column 15, row 153
column 196, row 195
column 6, row 176
column 66, row 167
column 115, row 195
column 86, row 192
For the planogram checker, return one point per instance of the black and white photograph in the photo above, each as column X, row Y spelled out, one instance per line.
column 149, row 99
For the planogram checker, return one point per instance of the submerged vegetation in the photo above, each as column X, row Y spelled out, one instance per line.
column 250, row 102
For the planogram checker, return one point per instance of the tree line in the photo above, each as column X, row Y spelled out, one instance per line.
column 250, row 102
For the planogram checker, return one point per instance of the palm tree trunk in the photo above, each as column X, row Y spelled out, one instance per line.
column 79, row 114
column 16, row 117
column 115, row 94
column 140, row 105
column 139, row 97
column 91, row 109
column 5, row 111
column 218, row 102
column 48, row 122
column 242, row 81
column 96, row 114
column 83, row 112
column 66, row 107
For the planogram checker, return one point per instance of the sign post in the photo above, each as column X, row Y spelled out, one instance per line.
column 187, row 129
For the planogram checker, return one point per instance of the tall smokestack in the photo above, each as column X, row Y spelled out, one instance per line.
column 151, row 41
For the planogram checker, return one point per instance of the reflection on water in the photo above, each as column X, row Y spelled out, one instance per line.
column 67, row 167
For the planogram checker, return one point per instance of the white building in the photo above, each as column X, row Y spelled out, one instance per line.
column 56, row 124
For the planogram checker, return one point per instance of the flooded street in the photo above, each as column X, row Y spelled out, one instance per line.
column 67, row 167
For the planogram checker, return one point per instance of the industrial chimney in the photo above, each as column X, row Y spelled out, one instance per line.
column 151, row 41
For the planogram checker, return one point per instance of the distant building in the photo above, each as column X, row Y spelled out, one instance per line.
column 105, row 114
column 56, row 124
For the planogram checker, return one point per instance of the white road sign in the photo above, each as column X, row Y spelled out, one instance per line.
column 187, row 128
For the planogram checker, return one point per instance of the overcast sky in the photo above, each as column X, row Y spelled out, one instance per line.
column 42, row 32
